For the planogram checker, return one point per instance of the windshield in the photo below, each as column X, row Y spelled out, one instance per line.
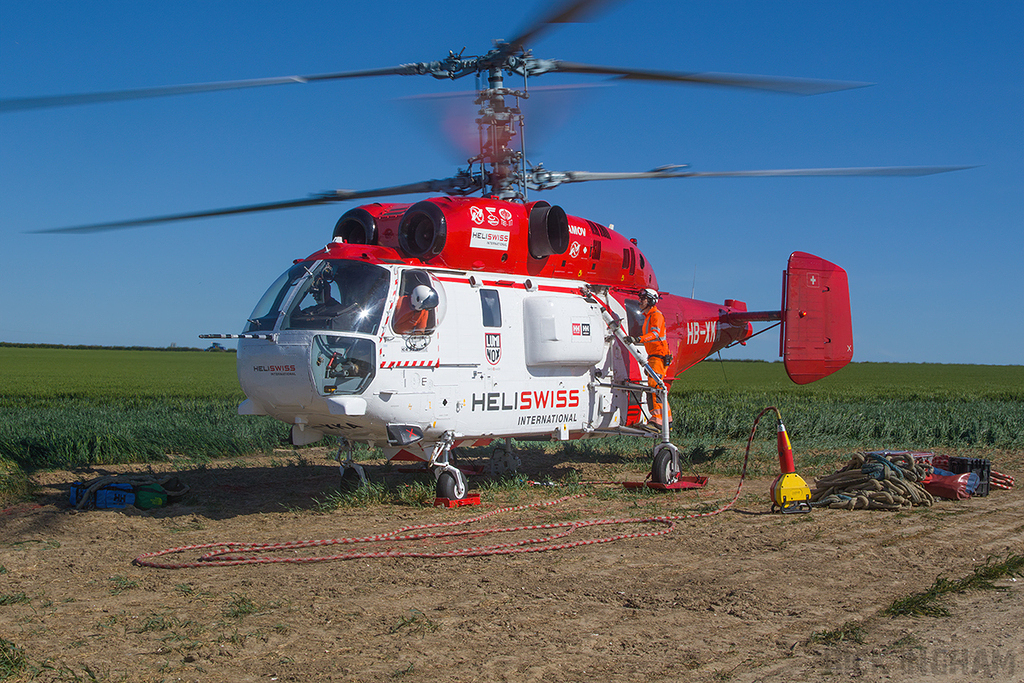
column 342, row 296
column 264, row 316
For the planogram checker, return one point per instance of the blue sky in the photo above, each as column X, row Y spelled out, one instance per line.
column 935, row 263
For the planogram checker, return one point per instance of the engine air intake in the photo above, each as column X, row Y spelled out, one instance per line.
column 357, row 226
column 423, row 230
column 549, row 230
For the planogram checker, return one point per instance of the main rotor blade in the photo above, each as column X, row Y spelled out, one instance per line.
column 456, row 185
column 153, row 220
column 564, row 13
column 909, row 171
column 47, row 102
column 543, row 179
column 782, row 84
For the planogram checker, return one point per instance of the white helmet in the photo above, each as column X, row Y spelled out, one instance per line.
column 650, row 294
column 423, row 297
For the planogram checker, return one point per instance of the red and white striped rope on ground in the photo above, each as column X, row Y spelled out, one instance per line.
column 228, row 554
column 1000, row 481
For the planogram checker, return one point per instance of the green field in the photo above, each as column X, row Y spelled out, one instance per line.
column 102, row 374
column 865, row 405
column 69, row 407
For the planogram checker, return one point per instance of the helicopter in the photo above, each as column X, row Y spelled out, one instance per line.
column 458, row 320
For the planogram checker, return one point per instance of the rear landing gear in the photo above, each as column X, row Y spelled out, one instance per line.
column 503, row 460
column 666, row 469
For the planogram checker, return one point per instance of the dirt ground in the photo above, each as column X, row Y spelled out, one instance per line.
column 740, row 596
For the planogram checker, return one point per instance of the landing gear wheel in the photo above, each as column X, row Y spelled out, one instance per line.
column 666, row 465
column 449, row 487
column 503, row 461
column 350, row 479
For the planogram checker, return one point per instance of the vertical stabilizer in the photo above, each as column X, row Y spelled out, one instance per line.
column 817, row 331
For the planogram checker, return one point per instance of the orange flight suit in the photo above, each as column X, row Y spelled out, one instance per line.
column 655, row 340
column 409, row 320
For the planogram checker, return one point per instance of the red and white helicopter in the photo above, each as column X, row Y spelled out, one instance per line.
column 459, row 320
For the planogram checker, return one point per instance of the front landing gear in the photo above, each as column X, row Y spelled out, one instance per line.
column 352, row 474
column 450, row 481
column 451, row 485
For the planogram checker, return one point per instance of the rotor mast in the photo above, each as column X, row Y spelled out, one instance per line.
column 497, row 123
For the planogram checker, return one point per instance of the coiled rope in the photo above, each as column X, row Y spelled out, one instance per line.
column 874, row 481
column 229, row 554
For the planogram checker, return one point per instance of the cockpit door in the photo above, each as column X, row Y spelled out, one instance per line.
column 415, row 318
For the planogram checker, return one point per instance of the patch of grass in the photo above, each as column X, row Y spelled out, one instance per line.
column 185, row 639
column 160, row 622
column 361, row 495
column 851, row 631
column 34, row 543
column 120, row 584
column 12, row 659
column 506, row 483
column 404, row 672
column 416, row 494
column 240, row 606
column 15, row 485
column 235, row 638
column 907, row 642
column 66, row 673
column 926, row 603
column 14, row 599
column 416, row 622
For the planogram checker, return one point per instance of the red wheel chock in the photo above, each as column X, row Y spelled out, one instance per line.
column 472, row 499
column 688, row 482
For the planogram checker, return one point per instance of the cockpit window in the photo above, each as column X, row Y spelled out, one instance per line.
column 264, row 316
column 421, row 304
column 342, row 365
column 342, row 296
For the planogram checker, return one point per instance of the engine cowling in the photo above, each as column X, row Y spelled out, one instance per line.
column 486, row 234
column 357, row 226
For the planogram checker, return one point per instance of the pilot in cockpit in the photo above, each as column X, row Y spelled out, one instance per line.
column 326, row 307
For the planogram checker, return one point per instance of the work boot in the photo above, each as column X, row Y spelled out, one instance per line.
column 656, row 427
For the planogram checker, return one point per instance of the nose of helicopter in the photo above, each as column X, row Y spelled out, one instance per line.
column 275, row 376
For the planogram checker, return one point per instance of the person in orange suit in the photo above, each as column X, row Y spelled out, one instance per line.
column 413, row 314
column 655, row 341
